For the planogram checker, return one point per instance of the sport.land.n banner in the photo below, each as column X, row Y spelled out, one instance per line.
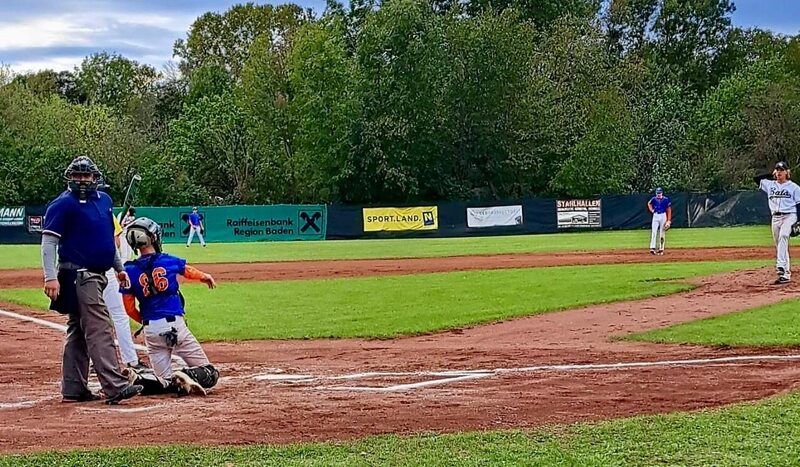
column 401, row 219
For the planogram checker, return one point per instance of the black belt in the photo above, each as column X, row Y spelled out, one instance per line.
column 169, row 319
column 781, row 213
column 67, row 266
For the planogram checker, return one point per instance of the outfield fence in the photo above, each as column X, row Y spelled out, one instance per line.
column 23, row 224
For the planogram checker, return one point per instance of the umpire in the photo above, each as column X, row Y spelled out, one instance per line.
column 79, row 231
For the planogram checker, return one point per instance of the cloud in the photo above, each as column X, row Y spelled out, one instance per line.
column 58, row 34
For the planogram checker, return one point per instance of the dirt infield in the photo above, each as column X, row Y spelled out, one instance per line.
column 466, row 379
column 286, row 270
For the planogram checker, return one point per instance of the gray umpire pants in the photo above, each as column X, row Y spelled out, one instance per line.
column 90, row 334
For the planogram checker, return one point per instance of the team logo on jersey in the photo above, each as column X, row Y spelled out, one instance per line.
column 782, row 193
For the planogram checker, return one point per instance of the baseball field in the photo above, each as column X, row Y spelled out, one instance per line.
column 568, row 349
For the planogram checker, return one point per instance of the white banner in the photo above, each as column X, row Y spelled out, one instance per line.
column 494, row 216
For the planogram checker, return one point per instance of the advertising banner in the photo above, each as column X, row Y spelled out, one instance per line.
column 400, row 219
column 242, row 223
column 496, row 216
column 35, row 224
column 12, row 216
column 579, row 213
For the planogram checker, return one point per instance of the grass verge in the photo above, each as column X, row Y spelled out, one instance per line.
column 772, row 325
column 27, row 256
column 388, row 306
column 752, row 434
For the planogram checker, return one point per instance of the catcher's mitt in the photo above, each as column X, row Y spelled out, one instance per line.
column 795, row 229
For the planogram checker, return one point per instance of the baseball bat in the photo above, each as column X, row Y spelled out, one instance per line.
column 130, row 195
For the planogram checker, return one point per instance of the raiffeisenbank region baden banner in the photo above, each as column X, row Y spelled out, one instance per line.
column 495, row 216
column 400, row 219
column 242, row 223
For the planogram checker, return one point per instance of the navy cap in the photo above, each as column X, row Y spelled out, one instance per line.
column 781, row 166
column 659, row 190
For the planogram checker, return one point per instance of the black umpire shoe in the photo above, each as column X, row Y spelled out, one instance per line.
column 88, row 397
column 130, row 391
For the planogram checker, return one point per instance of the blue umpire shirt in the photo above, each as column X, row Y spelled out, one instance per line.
column 85, row 230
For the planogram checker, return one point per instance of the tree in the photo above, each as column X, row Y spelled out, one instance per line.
column 542, row 13
column 324, row 80
column 210, row 153
column 224, row 39
column 113, row 80
column 602, row 161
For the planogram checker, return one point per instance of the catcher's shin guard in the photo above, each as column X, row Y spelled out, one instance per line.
column 151, row 384
column 206, row 375
column 185, row 385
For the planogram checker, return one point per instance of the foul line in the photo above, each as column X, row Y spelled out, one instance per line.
column 59, row 327
column 444, row 376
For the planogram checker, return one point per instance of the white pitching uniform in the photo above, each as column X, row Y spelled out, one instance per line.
column 783, row 201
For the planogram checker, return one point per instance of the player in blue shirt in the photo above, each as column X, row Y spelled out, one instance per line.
column 195, row 221
column 77, row 250
column 661, row 208
column 154, row 284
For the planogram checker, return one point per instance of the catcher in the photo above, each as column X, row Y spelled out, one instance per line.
column 784, row 204
column 154, row 284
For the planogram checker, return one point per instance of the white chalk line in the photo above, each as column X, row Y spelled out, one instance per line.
column 448, row 377
column 452, row 376
column 123, row 409
column 62, row 328
column 25, row 404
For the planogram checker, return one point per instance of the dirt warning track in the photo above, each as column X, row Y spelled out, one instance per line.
column 291, row 391
column 288, row 270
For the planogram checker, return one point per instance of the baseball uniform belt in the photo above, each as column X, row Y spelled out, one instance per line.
column 169, row 319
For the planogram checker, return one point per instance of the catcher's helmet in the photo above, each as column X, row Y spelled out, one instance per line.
column 144, row 232
column 82, row 165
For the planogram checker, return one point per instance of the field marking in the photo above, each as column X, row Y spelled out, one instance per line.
column 25, row 404
column 123, row 410
column 454, row 376
column 62, row 328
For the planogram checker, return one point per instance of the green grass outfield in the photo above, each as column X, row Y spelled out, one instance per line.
column 386, row 306
column 772, row 325
column 27, row 256
column 758, row 434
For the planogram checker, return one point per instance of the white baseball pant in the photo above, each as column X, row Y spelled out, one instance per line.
column 161, row 353
column 192, row 230
column 122, row 324
column 658, row 231
column 781, row 228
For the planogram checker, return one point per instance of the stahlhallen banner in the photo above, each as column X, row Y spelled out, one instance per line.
column 495, row 216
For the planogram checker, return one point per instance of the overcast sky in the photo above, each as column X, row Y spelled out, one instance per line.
column 58, row 34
